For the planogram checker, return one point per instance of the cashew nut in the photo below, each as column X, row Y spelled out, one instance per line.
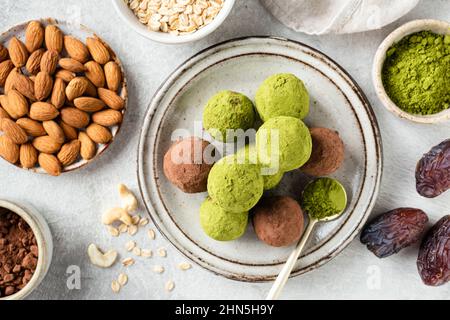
column 129, row 201
column 100, row 259
column 116, row 214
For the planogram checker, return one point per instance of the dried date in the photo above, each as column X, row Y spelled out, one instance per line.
column 434, row 255
column 392, row 231
column 433, row 171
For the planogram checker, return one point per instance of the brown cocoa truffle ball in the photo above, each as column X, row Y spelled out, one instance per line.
column 187, row 165
column 327, row 152
column 278, row 221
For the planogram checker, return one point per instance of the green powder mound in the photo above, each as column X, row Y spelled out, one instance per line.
column 284, row 143
column 272, row 181
column 324, row 198
column 416, row 73
column 228, row 110
column 234, row 186
column 282, row 95
column 221, row 225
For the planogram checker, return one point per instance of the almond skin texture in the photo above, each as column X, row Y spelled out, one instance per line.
column 43, row 85
column 18, row 52
column 111, row 99
column 69, row 152
column 76, row 49
column 58, row 96
column 89, row 104
column 4, row 54
column 9, row 150
column 16, row 105
column 46, row 144
column 3, row 115
column 91, row 90
column 107, row 118
column 88, row 147
column 71, row 65
column 74, row 117
column 50, row 164
column 49, row 61
column 113, row 76
column 65, row 75
column 54, row 38
column 76, row 88
column 13, row 131
column 34, row 36
column 28, row 156
column 32, row 128
column 24, row 85
column 43, row 111
column 69, row 132
column 98, row 50
column 10, row 80
column 94, row 72
column 5, row 69
column 33, row 65
column 54, row 131
column 98, row 133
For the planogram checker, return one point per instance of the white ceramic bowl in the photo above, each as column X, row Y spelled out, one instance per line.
column 129, row 17
column 436, row 26
column 44, row 242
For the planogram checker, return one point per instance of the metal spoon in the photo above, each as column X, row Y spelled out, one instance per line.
column 282, row 278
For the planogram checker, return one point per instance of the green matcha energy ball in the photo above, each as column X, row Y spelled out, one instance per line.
column 282, row 95
column 220, row 224
column 272, row 181
column 235, row 186
column 284, row 143
column 228, row 110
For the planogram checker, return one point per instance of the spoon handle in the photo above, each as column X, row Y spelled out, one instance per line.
column 282, row 278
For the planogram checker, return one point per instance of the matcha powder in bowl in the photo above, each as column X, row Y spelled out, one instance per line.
column 416, row 73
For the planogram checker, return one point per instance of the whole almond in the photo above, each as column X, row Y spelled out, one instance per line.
column 5, row 68
column 91, row 89
column 16, row 104
column 89, row 104
column 69, row 152
column 54, row 131
column 33, row 65
column 34, row 36
column 71, row 65
column 65, row 75
column 107, row 118
column 9, row 150
column 46, row 144
column 4, row 53
column 75, row 117
column 28, row 156
column 94, row 72
column 13, row 131
column 54, row 38
column 18, row 52
column 24, row 85
column 98, row 133
column 76, row 49
column 32, row 128
column 69, row 132
column 88, row 147
column 3, row 115
column 76, row 88
column 11, row 79
column 43, row 111
column 98, row 50
column 50, row 164
column 58, row 93
column 113, row 75
column 43, row 85
column 49, row 61
column 111, row 99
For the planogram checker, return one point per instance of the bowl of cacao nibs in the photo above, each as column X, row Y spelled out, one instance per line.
column 26, row 248
column 63, row 96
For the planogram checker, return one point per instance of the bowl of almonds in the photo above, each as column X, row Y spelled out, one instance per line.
column 174, row 21
column 63, row 96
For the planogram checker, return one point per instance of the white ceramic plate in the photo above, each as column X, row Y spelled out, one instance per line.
column 241, row 65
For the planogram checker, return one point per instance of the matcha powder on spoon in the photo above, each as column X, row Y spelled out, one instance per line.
column 416, row 73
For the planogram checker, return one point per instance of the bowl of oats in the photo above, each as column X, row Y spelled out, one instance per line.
column 174, row 21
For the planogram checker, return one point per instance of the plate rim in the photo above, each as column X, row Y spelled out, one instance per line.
column 150, row 112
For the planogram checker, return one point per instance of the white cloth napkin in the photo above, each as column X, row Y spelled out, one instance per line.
column 337, row 16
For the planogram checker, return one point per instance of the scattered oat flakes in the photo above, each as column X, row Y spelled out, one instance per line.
column 115, row 286
column 146, row 253
column 130, row 245
column 127, row 262
column 151, row 234
column 184, row 266
column 170, row 285
column 132, row 230
column 162, row 252
column 135, row 219
column 123, row 228
column 143, row 222
column 158, row 269
column 113, row 231
column 137, row 251
column 123, row 279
